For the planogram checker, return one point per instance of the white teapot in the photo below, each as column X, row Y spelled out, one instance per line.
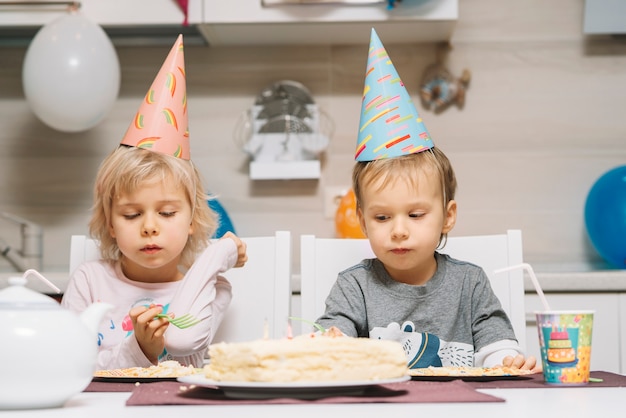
column 48, row 353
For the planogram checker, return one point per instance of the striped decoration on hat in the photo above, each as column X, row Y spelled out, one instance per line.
column 390, row 125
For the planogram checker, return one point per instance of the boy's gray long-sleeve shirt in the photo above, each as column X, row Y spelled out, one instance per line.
column 442, row 323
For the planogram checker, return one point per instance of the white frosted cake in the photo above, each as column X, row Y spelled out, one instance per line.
column 313, row 357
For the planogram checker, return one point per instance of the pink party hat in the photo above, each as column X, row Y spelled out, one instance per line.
column 390, row 125
column 161, row 123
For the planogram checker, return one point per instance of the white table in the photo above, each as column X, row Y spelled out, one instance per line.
column 526, row 403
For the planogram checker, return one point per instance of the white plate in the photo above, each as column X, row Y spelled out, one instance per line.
column 300, row 390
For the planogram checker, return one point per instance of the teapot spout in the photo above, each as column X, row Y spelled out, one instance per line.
column 92, row 316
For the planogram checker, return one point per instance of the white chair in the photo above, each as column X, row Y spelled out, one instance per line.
column 261, row 289
column 323, row 258
column 82, row 249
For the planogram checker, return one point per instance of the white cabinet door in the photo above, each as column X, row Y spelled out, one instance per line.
column 106, row 13
column 247, row 22
column 252, row 11
column 605, row 345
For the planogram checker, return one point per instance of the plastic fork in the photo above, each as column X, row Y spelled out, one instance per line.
column 182, row 322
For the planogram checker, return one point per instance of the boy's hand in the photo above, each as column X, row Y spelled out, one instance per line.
column 242, row 256
column 520, row 362
column 149, row 330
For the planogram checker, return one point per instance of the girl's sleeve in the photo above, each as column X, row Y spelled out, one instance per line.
column 204, row 293
column 77, row 297
column 123, row 355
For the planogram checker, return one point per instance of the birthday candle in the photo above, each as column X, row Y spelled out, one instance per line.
column 266, row 330
column 289, row 331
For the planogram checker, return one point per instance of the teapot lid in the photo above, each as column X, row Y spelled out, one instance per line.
column 17, row 295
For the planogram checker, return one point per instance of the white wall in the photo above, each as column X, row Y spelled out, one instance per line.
column 544, row 118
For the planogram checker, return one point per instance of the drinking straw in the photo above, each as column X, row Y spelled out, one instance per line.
column 533, row 278
column 42, row 278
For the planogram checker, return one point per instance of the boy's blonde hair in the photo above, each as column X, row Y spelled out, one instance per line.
column 124, row 171
column 391, row 169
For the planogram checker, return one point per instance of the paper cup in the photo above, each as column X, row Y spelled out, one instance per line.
column 565, row 344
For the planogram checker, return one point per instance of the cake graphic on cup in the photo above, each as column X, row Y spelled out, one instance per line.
column 560, row 349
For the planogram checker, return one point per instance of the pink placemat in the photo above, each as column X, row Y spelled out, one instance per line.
column 173, row 393
column 537, row 381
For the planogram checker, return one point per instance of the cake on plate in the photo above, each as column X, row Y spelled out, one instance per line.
column 318, row 357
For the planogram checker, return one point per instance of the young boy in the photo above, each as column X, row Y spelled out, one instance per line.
column 442, row 310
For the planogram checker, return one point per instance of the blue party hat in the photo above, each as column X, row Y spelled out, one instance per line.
column 390, row 125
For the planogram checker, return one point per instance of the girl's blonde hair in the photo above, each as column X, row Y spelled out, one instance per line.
column 405, row 167
column 124, row 171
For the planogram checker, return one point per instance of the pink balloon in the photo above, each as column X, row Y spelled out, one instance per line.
column 71, row 74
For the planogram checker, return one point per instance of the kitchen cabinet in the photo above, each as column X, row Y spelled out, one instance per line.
column 604, row 17
column 106, row 13
column 249, row 22
column 608, row 350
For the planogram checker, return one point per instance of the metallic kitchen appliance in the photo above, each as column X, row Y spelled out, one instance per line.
column 284, row 133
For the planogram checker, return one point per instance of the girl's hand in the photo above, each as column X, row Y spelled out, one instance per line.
column 242, row 256
column 149, row 330
column 521, row 362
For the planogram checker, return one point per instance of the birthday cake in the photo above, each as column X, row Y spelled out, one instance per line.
column 312, row 357
column 560, row 348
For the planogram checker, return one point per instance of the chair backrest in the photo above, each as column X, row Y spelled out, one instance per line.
column 261, row 289
column 82, row 249
column 323, row 258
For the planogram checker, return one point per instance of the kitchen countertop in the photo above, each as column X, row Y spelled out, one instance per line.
column 551, row 282
column 579, row 282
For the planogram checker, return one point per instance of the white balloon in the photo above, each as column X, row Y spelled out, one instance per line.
column 71, row 74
